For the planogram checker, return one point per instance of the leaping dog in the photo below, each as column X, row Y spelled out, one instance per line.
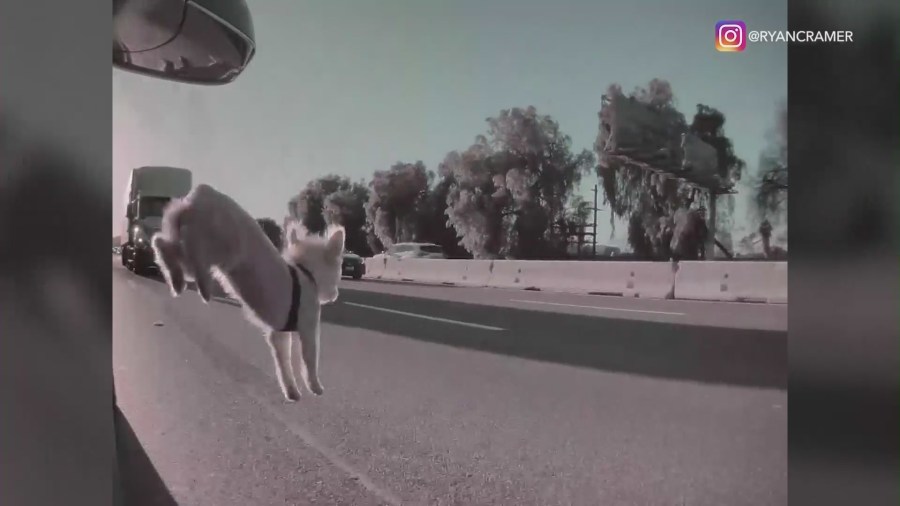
column 207, row 236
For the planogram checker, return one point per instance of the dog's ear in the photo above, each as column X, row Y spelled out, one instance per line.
column 335, row 246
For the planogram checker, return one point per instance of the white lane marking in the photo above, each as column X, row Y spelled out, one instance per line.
column 598, row 307
column 425, row 317
column 313, row 442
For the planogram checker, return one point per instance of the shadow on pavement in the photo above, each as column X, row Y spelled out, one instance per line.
column 140, row 483
column 754, row 358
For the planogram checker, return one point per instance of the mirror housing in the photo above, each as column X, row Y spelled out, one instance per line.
column 191, row 41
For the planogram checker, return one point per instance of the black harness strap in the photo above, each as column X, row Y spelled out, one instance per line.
column 293, row 313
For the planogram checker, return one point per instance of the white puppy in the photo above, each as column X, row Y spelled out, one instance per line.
column 208, row 235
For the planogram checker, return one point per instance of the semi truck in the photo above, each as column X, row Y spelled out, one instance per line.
column 149, row 190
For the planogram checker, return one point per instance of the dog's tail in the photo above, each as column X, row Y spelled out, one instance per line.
column 167, row 245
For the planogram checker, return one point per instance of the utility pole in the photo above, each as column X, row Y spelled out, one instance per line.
column 594, row 235
column 710, row 247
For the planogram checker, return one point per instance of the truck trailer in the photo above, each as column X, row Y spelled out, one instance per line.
column 149, row 190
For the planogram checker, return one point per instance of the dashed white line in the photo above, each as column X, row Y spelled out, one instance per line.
column 424, row 317
column 598, row 307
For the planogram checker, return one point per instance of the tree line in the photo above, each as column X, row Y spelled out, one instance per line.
column 511, row 193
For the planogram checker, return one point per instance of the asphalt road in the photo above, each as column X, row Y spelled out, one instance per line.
column 453, row 397
column 739, row 315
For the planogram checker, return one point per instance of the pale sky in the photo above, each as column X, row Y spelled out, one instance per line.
column 353, row 86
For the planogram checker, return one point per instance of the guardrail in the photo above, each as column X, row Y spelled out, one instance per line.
column 707, row 280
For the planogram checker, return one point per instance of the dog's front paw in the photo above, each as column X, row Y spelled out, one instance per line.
column 292, row 394
column 204, row 294
column 177, row 287
column 316, row 388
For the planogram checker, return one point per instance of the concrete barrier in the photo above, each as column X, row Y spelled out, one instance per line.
column 374, row 267
column 448, row 272
column 507, row 274
column 455, row 272
column 732, row 281
column 561, row 276
column 633, row 279
column 651, row 280
column 424, row 270
column 724, row 281
column 779, row 284
column 469, row 272
column 391, row 270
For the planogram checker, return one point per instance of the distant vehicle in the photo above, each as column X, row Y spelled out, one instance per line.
column 415, row 250
column 353, row 265
column 149, row 190
column 608, row 251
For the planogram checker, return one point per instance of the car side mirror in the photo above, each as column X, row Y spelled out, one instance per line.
column 190, row 41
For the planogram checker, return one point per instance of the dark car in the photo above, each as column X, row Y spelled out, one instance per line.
column 353, row 265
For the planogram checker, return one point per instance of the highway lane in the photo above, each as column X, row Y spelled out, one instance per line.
column 698, row 313
column 422, row 409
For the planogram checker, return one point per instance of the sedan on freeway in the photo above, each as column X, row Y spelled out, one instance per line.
column 414, row 250
column 352, row 265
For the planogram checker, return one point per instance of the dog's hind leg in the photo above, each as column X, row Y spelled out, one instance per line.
column 309, row 349
column 280, row 342
column 204, row 281
column 169, row 255
column 195, row 264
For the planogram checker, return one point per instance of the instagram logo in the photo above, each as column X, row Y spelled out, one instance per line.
column 730, row 36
